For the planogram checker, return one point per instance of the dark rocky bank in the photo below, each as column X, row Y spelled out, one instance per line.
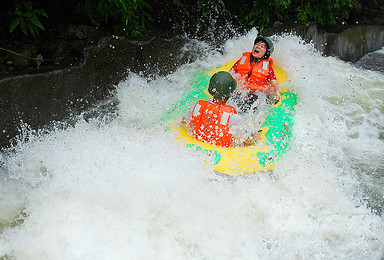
column 85, row 65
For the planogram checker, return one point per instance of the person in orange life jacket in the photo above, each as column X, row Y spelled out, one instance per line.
column 254, row 73
column 216, row 122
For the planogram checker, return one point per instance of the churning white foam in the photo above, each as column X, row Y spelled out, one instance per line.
column 125, row 189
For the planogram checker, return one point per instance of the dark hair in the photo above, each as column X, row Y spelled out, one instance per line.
column 267, row 53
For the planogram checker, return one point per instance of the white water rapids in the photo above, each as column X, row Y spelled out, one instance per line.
column 119, row 187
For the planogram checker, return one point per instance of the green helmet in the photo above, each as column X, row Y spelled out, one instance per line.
column 267, row 41
column 221, row 84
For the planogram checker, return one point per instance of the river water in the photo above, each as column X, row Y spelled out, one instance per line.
column 116, row 186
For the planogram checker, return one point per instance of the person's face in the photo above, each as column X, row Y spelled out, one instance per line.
column 259, row 49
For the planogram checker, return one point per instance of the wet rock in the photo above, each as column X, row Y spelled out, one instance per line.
column 39, row 98
column 353, row 43
column 372, row 61
column 86, row 66
column 63, row 91
column 350, row 44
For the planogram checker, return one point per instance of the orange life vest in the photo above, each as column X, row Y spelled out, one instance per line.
column 257, row 79
column 210, row 122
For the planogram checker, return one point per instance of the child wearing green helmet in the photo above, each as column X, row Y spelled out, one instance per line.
column 254, row 73
column 214, row 121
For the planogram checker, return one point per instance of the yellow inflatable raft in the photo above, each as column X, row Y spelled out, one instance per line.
column 276, row 130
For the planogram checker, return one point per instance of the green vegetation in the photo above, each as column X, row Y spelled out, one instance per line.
column 327, row 13
column 127, row 17
column 27, row 18
column 135, row 17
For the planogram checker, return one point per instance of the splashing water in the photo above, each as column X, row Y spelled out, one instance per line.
column 122, row 188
